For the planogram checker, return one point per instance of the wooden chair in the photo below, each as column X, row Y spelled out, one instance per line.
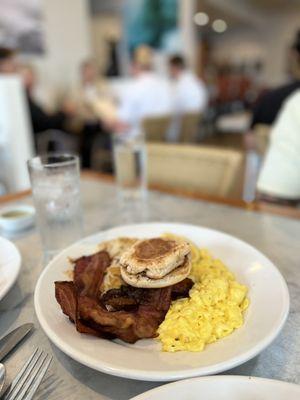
column 208, row 170
column 189, row 127
column 156, row 128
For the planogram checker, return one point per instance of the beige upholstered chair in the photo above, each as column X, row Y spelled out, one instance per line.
column 262, row 137
column 188, row 127
column 208, row 170
column 156, row 128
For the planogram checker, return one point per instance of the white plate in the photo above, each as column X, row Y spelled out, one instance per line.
column 224, row 388
column 268, row 310
column 10, row 263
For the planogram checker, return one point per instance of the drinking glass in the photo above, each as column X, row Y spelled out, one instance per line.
column 55, row 182
column 130, row 164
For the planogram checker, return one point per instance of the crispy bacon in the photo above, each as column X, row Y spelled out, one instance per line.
column 181, row 289
column 128, row 326
column 66, row 296
column 128, row 298
column 89, row 273
column 88, row 276
column 137, row 312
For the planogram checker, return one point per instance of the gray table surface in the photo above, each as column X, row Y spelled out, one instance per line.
column 277, row 237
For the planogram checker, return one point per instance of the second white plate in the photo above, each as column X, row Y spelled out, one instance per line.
column 224, row 388
column 10, row 263
column 269, row 305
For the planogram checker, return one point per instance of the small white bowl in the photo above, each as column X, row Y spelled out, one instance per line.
column 17, row 218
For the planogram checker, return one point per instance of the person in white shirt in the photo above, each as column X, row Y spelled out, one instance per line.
column 189, row 92
column 147, row 95
column 279, row 179
column 188, row 95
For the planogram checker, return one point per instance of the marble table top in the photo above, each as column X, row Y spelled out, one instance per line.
column 277, row 237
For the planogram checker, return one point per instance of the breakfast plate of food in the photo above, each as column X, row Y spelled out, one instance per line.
column 10, row 264
column 161, row 301
column 224, row 387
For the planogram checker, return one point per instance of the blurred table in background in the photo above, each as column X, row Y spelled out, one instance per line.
column 229, row 130
column 238, row 122
column 274, row 235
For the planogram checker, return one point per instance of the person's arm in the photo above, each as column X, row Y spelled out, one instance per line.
column 279, row 180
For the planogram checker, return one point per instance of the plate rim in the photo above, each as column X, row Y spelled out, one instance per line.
column 241, row 378
column 15, row 276
column 153, row 375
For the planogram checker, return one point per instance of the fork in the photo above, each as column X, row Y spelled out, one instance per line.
column 26, row 383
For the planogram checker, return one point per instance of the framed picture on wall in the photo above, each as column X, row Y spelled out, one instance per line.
column 21, row 26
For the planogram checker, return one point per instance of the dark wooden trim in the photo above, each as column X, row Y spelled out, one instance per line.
column 14, row 196
column 258, row 206
column 97, row 176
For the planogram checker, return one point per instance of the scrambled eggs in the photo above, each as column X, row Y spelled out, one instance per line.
column 213, row 310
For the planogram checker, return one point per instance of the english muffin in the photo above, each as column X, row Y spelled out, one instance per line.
column 156, row 262
column 115, row 248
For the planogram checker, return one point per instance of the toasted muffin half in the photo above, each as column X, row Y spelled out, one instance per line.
column 156, row 262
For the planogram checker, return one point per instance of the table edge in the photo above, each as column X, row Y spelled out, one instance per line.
column 258, row 206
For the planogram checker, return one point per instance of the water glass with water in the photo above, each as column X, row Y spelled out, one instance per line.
column 55, row 181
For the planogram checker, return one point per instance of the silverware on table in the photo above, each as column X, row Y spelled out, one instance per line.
column 8, row 342
column 2, row 376
column 26, row 383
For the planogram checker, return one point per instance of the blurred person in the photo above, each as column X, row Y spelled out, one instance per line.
column 189, row 92
column 147, row 95
column 279, row 179
column 41, row 119
column 93, row 96
column 96, row 109
column 8, row 62
column 269, row 105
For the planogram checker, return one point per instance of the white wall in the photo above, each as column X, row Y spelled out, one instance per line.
column 269, row 41
column 67, row 41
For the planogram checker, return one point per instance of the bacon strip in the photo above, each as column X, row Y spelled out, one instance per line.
column 80, row 301
column 128, row 326
column 89, row 273
column 88, row 276
column 128, row 298
column 66, row 296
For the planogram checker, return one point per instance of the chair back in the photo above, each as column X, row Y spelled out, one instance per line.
column 189, row 127
column 209, row 170
column 156, row 128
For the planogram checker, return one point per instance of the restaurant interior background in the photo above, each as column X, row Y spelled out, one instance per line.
column 149, row 199
column 239, row 49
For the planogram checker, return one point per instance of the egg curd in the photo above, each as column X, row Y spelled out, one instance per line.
column 214, row 309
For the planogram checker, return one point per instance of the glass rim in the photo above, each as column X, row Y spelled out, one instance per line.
column 72, row 159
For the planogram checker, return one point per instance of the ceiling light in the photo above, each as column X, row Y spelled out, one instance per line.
column 201, row 18
column 219, row 25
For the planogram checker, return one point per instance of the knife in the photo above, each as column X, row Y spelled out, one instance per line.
column 8, row 342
